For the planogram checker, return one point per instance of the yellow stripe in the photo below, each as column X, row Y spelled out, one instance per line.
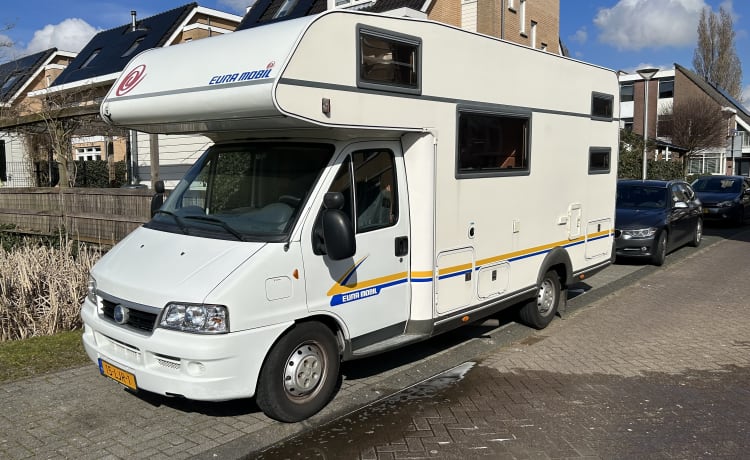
column 339, row 289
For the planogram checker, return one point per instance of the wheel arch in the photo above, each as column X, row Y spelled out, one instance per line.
column 558, row 260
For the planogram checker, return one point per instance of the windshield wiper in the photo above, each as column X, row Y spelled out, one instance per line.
column 177, row 219
column 224, row 225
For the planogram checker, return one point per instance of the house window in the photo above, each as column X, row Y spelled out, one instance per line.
column 602, row 106
column 389, row 61
column 704, row 164
column 533, row 34
column 88, row 153
column 626, row 92
column 599, row 160
column 745, row 139
column 93, row 55
column 666, row 88
column 522, row 16
column 627, row 124
column 492, row 144
column 133, row 47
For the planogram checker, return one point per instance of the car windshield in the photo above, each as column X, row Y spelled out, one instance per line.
column 249, row 192
column 717, row 185
column 641, row 197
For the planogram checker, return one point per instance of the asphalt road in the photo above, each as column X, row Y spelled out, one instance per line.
column 78, row 414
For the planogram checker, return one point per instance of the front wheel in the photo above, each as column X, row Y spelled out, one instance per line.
column 538, row 312
column 697, row 234
column 660, row 251
column 300, row 373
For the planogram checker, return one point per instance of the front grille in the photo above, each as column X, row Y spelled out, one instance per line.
column 138, row 319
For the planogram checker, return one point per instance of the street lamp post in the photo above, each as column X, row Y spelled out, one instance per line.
column 647, row 74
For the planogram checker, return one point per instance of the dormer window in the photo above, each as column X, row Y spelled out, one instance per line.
column 9, row 82
column 133, row 47
column 91, row 58
column 285, row 9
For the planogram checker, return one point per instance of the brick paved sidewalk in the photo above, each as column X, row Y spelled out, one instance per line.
column 657, row 370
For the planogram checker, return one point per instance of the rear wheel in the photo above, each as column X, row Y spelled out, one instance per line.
column 300, row 373
column 538, row 312
column 697, row 234
column 660, row 251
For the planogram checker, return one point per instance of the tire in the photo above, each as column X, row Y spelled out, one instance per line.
column 300, row 373
column 660, row 251
column 539, row 311
column 697, row 234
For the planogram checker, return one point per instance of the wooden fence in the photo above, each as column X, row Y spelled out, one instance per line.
column 103, row 216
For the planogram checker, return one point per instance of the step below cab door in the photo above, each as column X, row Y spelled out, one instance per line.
column 370, row 291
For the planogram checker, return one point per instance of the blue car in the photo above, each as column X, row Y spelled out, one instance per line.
column 654, row 217
column 724, row 198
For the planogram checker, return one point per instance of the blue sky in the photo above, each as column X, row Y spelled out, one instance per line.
column 618, row 34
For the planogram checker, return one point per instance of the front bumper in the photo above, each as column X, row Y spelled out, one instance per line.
column 635, row 247
column 172, row 363
column 724, row 213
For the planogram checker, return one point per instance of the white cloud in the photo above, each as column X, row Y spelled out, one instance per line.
column 637, row 24
column 69, row 35
column 237, row 6
column 580, row 36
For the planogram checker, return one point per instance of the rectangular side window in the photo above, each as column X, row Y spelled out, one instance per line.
column 388, row 61
column 492, row 144
column 599, row 160
column 602, row 106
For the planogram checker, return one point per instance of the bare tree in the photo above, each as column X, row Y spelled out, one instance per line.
column 715, row 57
column 695, row 123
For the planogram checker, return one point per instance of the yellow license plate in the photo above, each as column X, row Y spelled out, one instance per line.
column 117, row 374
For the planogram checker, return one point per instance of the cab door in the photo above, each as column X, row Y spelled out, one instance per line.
column 370, row 291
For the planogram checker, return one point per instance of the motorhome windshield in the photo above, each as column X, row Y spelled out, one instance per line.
column 248, row 192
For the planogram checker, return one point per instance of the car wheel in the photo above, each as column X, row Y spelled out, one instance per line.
column 539, row 311
column 697, row 234
column 300, row 373
column 660, row 252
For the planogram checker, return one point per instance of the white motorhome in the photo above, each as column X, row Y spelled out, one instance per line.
column 374, row 181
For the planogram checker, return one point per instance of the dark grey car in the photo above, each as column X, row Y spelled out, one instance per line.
column 654, row 217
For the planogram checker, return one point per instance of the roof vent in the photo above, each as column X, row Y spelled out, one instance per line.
column 132, row 21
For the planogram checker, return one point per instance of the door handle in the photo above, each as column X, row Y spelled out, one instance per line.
column 402, row 246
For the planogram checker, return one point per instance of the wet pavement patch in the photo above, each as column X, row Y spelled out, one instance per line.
column 477, row 411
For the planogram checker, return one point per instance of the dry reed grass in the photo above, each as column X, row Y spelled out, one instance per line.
column 42, row 288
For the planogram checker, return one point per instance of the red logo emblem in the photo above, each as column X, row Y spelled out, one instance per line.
column 270, row 65
column 131, row 80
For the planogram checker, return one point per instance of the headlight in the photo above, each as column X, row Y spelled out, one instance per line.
column 726, row 204
column 639, row 232
column 91, row 290
column 199, row 319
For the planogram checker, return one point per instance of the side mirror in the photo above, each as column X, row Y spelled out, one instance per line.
column 158, row 199
column 338, row 233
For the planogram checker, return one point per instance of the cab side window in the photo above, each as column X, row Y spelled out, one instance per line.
column 375, row 196
column 375, row 188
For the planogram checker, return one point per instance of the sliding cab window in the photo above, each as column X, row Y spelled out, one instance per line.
column 602, row 106
column 388, row 61
column 493, row 144
column 599, row 160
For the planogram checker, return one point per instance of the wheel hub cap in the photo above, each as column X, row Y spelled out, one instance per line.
column 304, row 370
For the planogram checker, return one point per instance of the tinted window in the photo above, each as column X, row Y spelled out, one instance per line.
column 388, row 61
column 490, row 143
column 626, row 92
column 599, row 160
column 637, row 196
column 666, row 88
column 602, row 105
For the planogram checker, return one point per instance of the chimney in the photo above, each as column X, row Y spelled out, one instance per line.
column 132, row 21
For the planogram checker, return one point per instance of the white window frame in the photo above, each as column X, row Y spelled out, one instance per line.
column 533, row 34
